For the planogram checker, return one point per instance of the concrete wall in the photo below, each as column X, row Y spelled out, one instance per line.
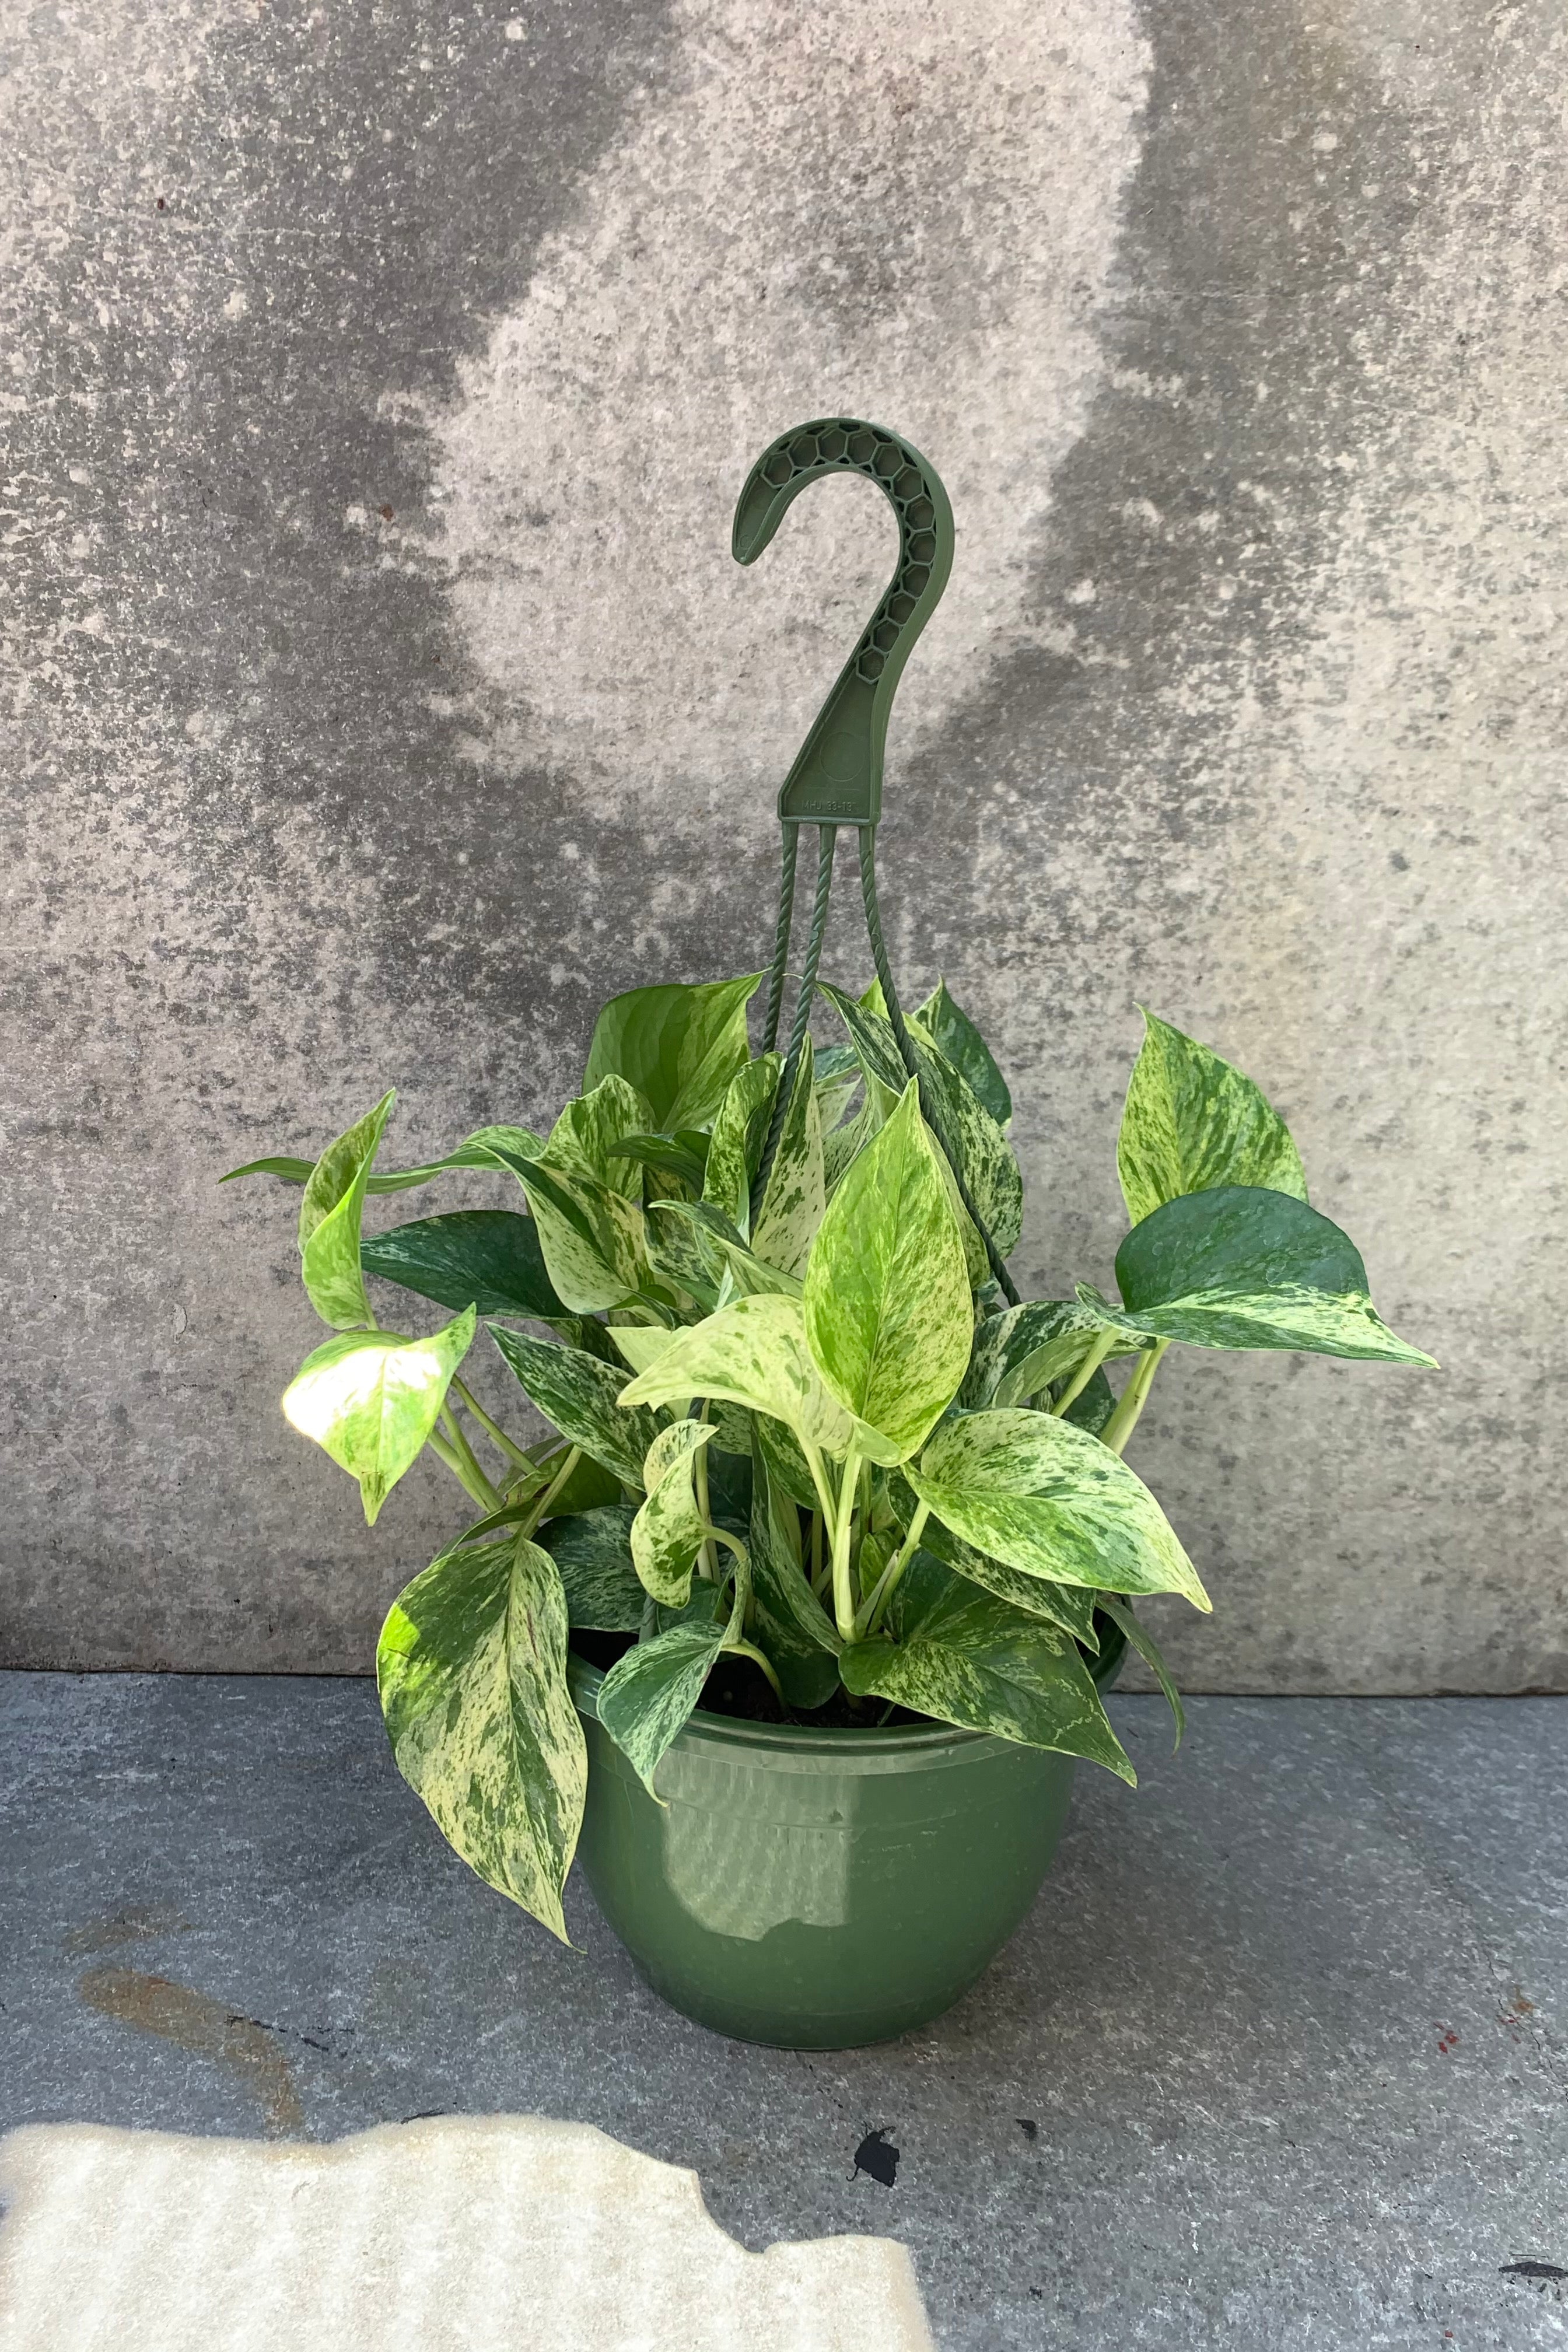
column 381, row 695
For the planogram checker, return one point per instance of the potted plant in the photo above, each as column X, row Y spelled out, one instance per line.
column 797, row 1618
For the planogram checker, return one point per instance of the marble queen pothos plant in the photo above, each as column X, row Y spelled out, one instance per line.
column 801, row 1429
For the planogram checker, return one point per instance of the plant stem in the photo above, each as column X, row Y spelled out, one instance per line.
column 493, row 1430
column 749, row 1650
column 1124, row 1420
column 573, row 1456
column 819, row 1479
column 721, row 1534
column 708, row 1558
column 874, row 1609
column 1086, row 1371
column 454, row 1463
column 843, row 1589
column 478, row 1486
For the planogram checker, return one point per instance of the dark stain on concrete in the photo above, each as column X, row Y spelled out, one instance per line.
column 196, row 2022
column 136, row 1923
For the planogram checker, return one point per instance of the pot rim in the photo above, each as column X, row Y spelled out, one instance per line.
column 799, row 1739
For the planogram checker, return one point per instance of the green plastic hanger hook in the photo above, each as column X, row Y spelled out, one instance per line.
column 836, row 778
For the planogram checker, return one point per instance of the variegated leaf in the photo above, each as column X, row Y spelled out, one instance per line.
column 1241, row 1266
column 793, row 1200
column 471, row 1670
column 590, row 1233
column 753, row 1354
column 1046, row 1497
column 584, row 1139
column 740, row 1131
column 887, row 1300
column 956, row 1036
column 1192, row 1122
column 370, row 1398
column 330, row 1221
column 489, row 1258
column 593, row 1552
column 966, row 1658
column 679, row 1046
column 647, row 1698
column 1135, row 1631
column 1017, row 1354
column 488, row 1147
column 791, row 1625
column 579, row 1395
column 667, row 1529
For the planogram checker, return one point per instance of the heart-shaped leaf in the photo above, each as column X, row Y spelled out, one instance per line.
column 886, row 1301
column 579, row 1395
column 740, row 1131
column 1046, row 1497
column 592, row 1550
column 679, row 1045
column 471, row 1669
column 966, row 1658
column 791, row 1207
column 1192, row 1122
column 585, row 1139
column 647, row 1698
column 755, row 1354
column 487, row 1257
column 590, row 1235
column 955, row 1034
column 1028, row 1349
column 1239, row 1266
column 370, row 1398
column 330, row 1221
column 669, row 1528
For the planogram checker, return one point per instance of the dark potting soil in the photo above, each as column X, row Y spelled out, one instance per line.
column 738, row 1688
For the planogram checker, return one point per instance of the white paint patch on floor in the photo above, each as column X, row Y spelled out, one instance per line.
column 425, row 2237
column 908, row 215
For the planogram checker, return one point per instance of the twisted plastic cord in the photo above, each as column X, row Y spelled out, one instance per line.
column 828, row 838
column 780, row 937
column 907, row 1055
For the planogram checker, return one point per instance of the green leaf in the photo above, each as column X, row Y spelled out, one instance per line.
column 680, row 1253
column 647, row 1698
column 838, row 1084
column 792, row 1204
column 593, row 1552
column 740, row 1131
column 799, row 1635
column 667, row 1529
column 471, row 1669
column 583, row 1139
column 1121, row 1613
column 955, row 1034
column 330, row 1221
column 370, row 1398
column 887, row 1303
column 750, row 1276
column 667, row 1155
column 753, row 1354
column 1242, row 1267
column 787, row 1467
column 1092, row 1407
column 966, row 1658
column 1193, row 1122
column 489, row 1258
column 590, row 1235
column 679, row 1045
column 1069, row 1606
column 488, row 1147
column 580, row 1396
column 1048, row 1498
column 844, row 1146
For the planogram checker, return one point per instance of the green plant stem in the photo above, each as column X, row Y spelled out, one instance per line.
column 843, row 1589
column 819, row 1479
column 493, row 1430
column 477, row 1485
column 1084, row 1372
column 573, row 1456
column 722, row 1535
column 875, row 1608
column 454, row 1463
column 750, row 1650
column 708, row 1558
column 1124, row 1420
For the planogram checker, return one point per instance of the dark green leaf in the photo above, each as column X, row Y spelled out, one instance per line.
column 1029, row 1348
column 1121, row 1613
column 1239, row 1266
column 471, row 1669
column 1069, row 1606
column 956, row 1035
column 487, row 1257
column 792, row 1626
column 593, row 1552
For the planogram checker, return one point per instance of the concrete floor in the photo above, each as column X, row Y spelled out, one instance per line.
column 1280, row 2059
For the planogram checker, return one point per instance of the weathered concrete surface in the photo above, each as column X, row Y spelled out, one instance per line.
column 1278, row 2059
column 382, row 696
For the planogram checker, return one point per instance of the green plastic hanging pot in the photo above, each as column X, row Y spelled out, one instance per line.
column 820, row 1889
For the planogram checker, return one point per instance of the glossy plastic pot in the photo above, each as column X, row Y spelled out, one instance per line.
column 819, row 1889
